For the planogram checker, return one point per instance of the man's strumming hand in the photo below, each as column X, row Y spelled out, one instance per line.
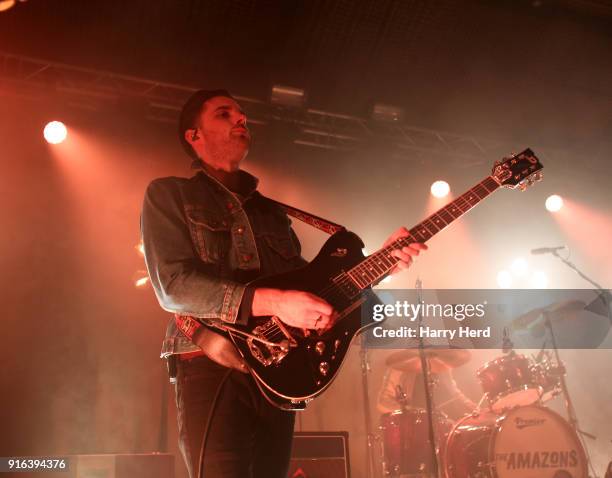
column 295, row 308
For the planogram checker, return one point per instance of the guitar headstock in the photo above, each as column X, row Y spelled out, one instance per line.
column 519, row 170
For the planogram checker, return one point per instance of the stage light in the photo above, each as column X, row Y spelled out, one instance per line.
column 504, row 279
column 139, row 248
column 539, row 280
column 387, row 113
column 141, row 282
column 6, row 4
column 440, row 189
column 519, row 266
column 55, row 132
column 140, row 279
column 554, row 203
column 288, row 96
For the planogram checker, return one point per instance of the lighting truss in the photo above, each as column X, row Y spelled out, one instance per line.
column 161, row 101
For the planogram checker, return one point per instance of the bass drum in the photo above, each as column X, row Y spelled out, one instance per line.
column 525, row 442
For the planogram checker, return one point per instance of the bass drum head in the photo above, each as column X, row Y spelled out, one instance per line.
column 535, row 442
column 526, row 442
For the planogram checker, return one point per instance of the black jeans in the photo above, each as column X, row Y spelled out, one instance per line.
column 245, row 436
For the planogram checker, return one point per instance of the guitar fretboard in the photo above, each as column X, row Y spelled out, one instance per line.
column 375, row 267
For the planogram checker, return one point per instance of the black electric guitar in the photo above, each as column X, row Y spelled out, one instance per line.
column 292, row 367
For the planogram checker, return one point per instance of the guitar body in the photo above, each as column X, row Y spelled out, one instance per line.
column 311, row 362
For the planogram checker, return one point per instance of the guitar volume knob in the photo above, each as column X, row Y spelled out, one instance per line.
column 320, row 347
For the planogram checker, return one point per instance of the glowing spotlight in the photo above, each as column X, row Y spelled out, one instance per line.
column 539, row 280
column 554, row 203
column 6, row 4
column 55, row 132
column 519, row 266
column 440, row 189
column 141, row 282
column 140, row 248
column 504, row 279
column 140, row 279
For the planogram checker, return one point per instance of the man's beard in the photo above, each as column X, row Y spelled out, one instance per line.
column 230, row 152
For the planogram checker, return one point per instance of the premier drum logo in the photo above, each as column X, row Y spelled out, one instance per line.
column 539, row 459
column 528, row 422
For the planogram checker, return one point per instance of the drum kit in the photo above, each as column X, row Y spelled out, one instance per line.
column 511, row 433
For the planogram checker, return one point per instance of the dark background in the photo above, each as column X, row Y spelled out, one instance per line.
column 80, row 372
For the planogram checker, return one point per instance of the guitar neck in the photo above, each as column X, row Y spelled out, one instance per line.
column 377, row 266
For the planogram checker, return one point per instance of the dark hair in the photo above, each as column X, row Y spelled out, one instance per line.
column 190, row 112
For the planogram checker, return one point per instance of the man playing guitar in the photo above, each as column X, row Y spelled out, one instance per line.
column 205, row 239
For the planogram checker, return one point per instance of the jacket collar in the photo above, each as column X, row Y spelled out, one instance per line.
column 248, row 183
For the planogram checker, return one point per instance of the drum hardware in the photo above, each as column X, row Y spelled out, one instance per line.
column 403, row 429
column 401, row 397
column 365, row 369
column 435, row 468
column 507, row 345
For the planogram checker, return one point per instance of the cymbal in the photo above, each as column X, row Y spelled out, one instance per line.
column 556, row 311
column 440, row 360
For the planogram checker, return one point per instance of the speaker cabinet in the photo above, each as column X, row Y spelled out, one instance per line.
column 320, row 455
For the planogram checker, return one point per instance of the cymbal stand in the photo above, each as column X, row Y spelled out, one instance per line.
column 569, row 405
column 365, row 369
column 434, row 471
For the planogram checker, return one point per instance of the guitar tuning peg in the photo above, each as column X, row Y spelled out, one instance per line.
column 522, row 185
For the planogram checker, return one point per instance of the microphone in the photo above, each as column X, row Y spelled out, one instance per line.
column 547, row 250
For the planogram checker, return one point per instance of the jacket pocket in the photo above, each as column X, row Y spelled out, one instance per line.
column 282, row 244
column 210, row 233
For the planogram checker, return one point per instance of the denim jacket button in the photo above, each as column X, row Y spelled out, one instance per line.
column 230, row 205
column 240, row 230
column 246, row 257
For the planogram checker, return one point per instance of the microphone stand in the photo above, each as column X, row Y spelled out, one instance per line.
column 571, row 412
column 569, row 405
column 434, row 470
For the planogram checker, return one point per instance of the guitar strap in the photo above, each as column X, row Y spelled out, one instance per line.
column 310, row 219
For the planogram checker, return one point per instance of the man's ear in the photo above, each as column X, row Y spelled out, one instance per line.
column 191, row 136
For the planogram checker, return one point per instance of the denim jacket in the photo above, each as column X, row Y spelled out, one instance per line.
column 203, row 243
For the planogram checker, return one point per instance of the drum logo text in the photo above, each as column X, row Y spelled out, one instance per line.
column 529, row 422
column 539, row 459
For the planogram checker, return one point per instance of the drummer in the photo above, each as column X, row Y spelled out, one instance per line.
column 405, row 389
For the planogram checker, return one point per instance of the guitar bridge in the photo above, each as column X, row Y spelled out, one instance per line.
column 267, row 350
